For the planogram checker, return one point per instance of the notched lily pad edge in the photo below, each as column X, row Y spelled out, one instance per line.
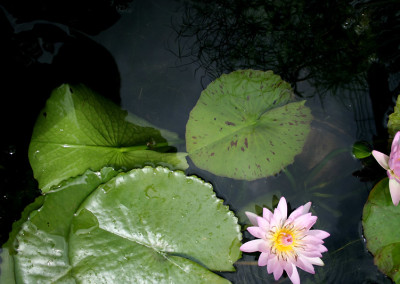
column 38, row 203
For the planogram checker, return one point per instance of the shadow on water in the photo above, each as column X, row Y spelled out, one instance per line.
column 37, row 56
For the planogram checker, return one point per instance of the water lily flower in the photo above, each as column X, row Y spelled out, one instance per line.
column 392, row 166
column 286, row 242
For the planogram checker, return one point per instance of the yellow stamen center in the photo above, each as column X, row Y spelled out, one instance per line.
column 283, row 240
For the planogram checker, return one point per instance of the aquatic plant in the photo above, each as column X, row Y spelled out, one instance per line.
column 392, row 165
column 79, row 130
column 146, row 225
column 247, row 125
column 286, row 242
column 380, row 223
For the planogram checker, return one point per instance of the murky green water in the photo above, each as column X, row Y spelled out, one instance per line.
column 155, row 58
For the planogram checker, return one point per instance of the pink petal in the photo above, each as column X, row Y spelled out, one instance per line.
column 278, row 271
column 252, row 217
column 300, row 211
column 267, row 215
column 296, row 213
column 251, row 246
column 310, row 239
column 311, row 253
column 289, row 267
column 263, row 259
column 256, row 232
column 304, row 263
column 272, row 264
column 395, row 141
column 294, row 276
column 264, row 247
column 315, row 261
column 305, row 221
column 394, row 188
column 282, row 207
column 319, row 234
column 307, row 207
column 263, row 224
column 322, row 248
column 381, row 158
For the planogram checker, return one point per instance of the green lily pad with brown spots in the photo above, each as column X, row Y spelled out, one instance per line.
column 246, row 125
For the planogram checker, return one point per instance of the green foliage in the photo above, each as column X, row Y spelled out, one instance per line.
column 245, row 126
column 80, row 130
column 380, row 219
column 7, row 267
column 149, row 224
column 394, row 119
column 361, row 150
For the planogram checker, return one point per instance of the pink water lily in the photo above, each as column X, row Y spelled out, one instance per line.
column 286, row 242
column 392, row 165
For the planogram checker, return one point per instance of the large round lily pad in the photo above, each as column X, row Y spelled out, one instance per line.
column 382, row 230
column 246, row 125
column 149, row 225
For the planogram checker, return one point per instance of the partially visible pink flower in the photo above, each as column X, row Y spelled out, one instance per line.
column 286, row 242
column 392, row 165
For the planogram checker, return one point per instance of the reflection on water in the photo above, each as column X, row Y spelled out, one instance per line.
column 158, row 55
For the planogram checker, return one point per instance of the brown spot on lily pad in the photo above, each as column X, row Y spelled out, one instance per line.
column 229, row 123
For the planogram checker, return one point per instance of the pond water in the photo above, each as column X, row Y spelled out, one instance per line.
column 155, row 57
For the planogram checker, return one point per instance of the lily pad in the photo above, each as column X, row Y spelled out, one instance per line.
column 147, row 225
column 246, row 125
column 380, row 223
column 361, row 150
column 6, row 267
column 80, row 130
column 41, row 241
column 394, row 119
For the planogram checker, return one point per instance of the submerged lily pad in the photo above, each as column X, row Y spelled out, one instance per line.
column 148, row 225
column 245, row 125
column 80, row 130
column 380, row 223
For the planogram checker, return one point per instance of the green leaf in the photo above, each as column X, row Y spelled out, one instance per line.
column 246, row 126
column 42, row 248
column 80, row 130
column 394, row 119
column 153, row 224
column 361, row 150
column 6, row 267
column 147, row 225
column 16, row 226
column 380, row 223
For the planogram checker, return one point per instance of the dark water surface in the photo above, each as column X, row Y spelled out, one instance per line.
column 155, row 57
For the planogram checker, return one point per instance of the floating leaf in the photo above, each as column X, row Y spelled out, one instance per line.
column 80, row 130
column 6, row 267
column 380, row 223
column 41, row 241
column 361, row 150
column 148, row 225
column 394, row 119
column 246, row 126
